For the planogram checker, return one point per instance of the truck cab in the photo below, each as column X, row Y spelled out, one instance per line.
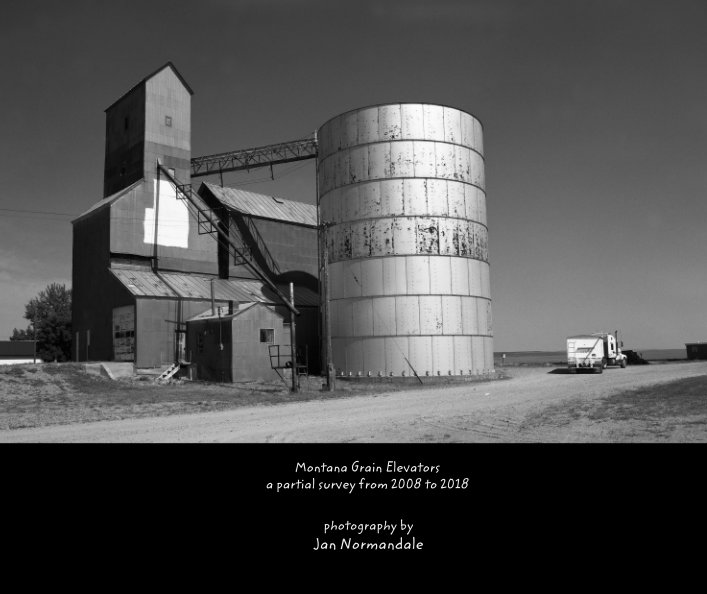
column 594, row 352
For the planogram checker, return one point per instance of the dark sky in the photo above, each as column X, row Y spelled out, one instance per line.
column 594, row 113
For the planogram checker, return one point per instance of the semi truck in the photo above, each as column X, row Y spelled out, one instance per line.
column 594, row 352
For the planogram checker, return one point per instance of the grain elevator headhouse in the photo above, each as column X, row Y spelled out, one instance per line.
column 403, row 211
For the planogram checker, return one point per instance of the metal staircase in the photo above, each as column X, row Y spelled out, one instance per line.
column 207, row 220
column 210, row 223
column 271, row 265
column 168, row 373
column 281, row 361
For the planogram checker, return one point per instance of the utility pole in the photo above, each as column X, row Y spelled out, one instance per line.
column 293, row 342
column 156, row 214
column 323, row 254
column 330, row 373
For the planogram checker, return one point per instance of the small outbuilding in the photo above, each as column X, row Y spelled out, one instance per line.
column 13, row 352
column 696, row 350
column 248, row 341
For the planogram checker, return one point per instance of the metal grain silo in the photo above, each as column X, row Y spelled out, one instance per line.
column 401, row 193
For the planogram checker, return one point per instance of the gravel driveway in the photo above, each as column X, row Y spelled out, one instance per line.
column 497, row 411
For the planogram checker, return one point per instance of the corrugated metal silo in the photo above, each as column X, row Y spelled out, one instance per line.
column 401, row 189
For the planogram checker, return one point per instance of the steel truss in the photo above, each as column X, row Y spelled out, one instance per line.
column 252, row 158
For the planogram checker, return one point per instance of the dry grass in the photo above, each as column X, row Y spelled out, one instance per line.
column 675, row 411
column 51, row 394
column 683, row 398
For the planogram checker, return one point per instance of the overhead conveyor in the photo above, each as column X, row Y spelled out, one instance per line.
column 253, row 158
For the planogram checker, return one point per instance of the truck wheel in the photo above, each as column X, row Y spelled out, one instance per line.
column 623, row 363
column 599, row 369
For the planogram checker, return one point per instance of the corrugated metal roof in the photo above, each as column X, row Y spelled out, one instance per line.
column 585, row 336
column 108, row 200
column 263, row 206
column 142, row 282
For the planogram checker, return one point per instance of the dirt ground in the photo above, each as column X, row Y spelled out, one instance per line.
column 536, row 404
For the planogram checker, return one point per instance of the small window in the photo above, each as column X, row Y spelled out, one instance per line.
column 168, row 121
column 267, row 335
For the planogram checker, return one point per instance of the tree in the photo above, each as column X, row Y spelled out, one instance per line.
column 49, row 314
column 22, row 334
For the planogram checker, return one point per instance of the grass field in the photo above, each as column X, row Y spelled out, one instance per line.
column 654, row 413
column 683, row 398
column 50, row 394
column 64, row 393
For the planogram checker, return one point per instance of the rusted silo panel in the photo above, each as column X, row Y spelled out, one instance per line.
column 402, row 189
column 367, row 126
column 390, row 125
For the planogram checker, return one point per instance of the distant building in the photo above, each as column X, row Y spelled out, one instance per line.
column 13, row 352
column 145, row 262
column 696, row 350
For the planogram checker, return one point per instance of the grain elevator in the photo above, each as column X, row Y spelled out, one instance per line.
column 156, row 253
column 389, row 260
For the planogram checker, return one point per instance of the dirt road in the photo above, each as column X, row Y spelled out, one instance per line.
column 497, row 411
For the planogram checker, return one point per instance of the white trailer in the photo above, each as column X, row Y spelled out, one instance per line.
column 594, row 352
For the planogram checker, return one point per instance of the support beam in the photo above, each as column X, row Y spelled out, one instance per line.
column 293, row 343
